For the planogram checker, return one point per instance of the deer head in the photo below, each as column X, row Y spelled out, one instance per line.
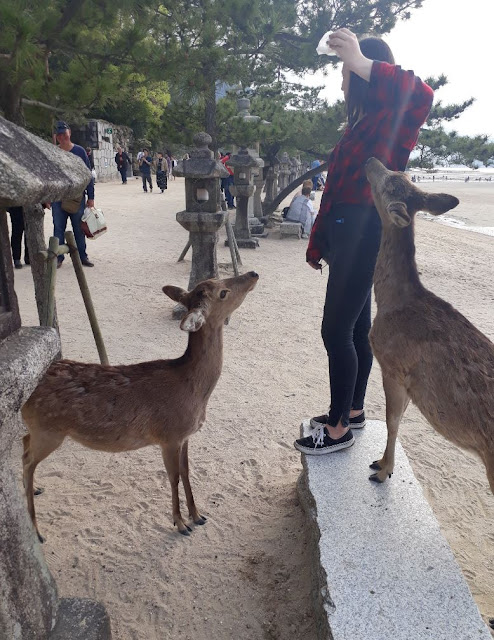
column 397, row 199
column 211, row 301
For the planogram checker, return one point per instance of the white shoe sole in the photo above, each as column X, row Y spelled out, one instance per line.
column 314, row 425
column 323, row 450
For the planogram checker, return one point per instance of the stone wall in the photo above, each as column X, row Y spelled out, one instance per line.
column 104, row 154
column 103, row 138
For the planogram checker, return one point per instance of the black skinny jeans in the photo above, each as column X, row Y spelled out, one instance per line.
column 17, row 221
column 354, row 234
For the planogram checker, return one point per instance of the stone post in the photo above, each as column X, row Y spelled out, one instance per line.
column 203, row 216
column 254, row 204
column 293, row 170
column 244, row 163
column 259, row 185
column 284, row 171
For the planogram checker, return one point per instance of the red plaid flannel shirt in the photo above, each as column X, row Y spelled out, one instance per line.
column 398, row 105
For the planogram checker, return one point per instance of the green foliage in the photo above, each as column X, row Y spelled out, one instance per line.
column 71, row 55
column 291, row 118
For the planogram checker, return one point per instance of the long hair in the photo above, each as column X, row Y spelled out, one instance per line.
column 356, row 105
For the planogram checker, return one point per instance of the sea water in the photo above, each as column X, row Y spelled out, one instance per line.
column 476, row 209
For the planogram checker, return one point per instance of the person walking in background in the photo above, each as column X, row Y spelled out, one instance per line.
column 161, row 173
column 386, row 106
column 61, row 215
column 169, row 164
column 227, row 182
column 122, row 161
column 90, row 156
column 316, row 178
column 17, row 223
column 145, row 167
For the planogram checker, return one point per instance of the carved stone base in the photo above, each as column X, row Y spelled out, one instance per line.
column 248, row 243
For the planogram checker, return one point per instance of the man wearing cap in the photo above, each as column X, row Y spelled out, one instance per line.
column 62, row 133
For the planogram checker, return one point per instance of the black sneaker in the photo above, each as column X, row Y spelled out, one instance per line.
column 319, row 421
column 357, row 422
column 319, row 442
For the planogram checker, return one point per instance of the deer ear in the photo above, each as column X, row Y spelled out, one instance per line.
column 175, row 293
column 193, row 321
column 438, row 203
column 398, row 213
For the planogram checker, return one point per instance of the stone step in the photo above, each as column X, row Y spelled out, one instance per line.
column 383, row 568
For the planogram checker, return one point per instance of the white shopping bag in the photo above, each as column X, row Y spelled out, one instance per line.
column 93, row 223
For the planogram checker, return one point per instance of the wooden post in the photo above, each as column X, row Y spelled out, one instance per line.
column 51, row 277
column 33, row 222
column 232, row 245
column 184, row 252
column 86, row 296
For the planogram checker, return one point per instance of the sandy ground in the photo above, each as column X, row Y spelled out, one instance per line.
column 246, row 574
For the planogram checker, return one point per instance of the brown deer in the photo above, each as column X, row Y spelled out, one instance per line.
column 122, row 408
column 428, row 351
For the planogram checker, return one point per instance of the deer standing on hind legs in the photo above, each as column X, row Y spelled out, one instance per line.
column 428, row 352
column 123, row 408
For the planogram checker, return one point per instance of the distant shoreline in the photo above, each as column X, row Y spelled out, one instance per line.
column 457, row 224
column 476, row 209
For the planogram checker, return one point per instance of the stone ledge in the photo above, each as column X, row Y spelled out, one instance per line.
column 383, row 567
column 291, row 229
column 25, row 356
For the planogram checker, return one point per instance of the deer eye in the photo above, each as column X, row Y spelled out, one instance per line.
column 223, row 293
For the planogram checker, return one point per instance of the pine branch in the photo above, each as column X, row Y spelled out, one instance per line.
column 37, row 103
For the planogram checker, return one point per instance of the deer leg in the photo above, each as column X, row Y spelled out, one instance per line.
column 171, row 458
column 396, row 402
column 25, row 443
column 37, row 447
column 184, row 474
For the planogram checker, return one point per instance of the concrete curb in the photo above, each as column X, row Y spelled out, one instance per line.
column 382, row 566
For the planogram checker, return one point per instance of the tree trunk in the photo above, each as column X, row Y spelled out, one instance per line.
column 11, row 103
column 270, row 207
column 210, row 114
column 33, row 223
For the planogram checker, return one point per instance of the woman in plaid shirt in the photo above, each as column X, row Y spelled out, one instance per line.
column 386, row 106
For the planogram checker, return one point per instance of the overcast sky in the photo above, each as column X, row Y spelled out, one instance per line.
column 454, row 37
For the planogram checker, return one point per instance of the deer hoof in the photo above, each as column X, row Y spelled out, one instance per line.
column 200, row 520
column 186, row 531
column 491, row 623
column 38, row 491
column 40, row 537
column 375, row 478
column 375, row 465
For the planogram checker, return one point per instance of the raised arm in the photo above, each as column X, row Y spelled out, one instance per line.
column 345, row 43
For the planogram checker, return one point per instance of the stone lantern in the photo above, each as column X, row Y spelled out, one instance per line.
column 272, row 180
column 203, row 216
column 254, row 205
column 245, row 165
column 284, row 171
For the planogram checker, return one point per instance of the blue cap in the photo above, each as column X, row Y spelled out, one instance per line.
column 61, row 127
